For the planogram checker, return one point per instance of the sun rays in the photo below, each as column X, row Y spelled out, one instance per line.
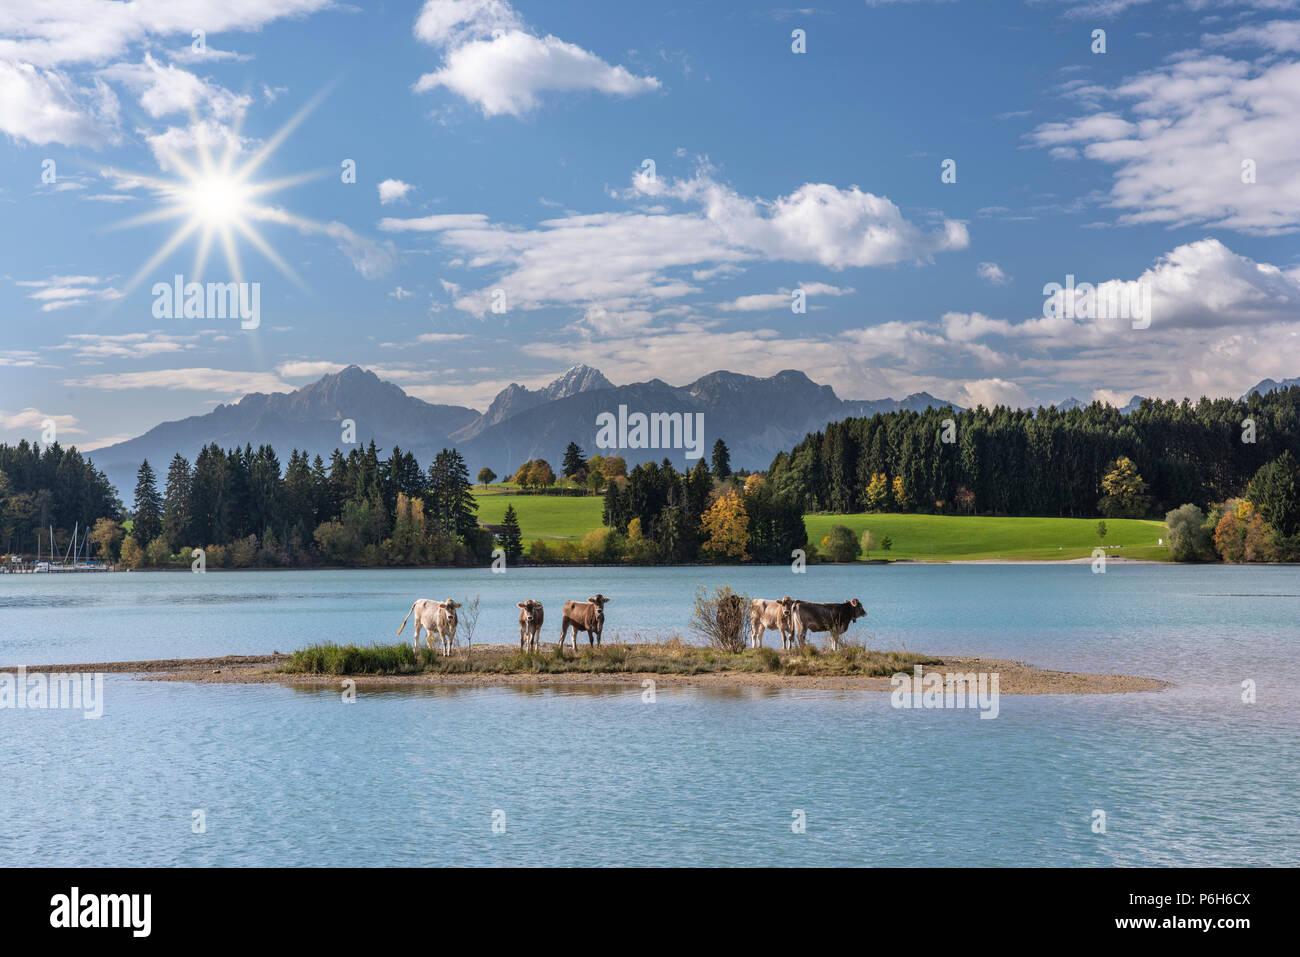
column 216, row 199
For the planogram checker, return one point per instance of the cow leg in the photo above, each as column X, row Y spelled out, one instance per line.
column 415, row 641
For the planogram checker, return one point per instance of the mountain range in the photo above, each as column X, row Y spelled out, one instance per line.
column 756, row 417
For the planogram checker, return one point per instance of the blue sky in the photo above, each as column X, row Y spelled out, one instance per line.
column 510, row 139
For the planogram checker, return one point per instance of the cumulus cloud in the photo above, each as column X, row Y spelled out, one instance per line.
column 90, row 31
column 392, row 190
column 167, row 89
column 492, row 60
column 31, row 418
column 993, row 392
column 621, row 265
column 47, row 106
column 992, row 273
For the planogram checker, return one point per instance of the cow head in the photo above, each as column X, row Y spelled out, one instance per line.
column 451, row 604
column 531, row 609
column 600, row 601
column 856, row 609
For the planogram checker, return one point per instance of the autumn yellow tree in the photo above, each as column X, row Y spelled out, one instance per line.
column 902, row 498
column 726, row 526
column 878, row 492
column 1126, row 491
column 132, row 553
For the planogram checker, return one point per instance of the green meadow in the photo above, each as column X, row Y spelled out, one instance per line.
column 970, row 537
column 915, row 537
column 557, row 517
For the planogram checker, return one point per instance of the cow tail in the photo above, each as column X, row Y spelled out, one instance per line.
column 408, row 616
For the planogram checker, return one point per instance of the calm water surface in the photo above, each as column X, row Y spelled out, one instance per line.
column 1190, row 775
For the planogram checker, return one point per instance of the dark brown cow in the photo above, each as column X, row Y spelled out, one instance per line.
column 818, row 616
column 530, row 623
column 588, row 616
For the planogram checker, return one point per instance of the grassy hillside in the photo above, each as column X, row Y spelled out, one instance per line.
column 967, row 537
column 922, row 537
column 542, row 516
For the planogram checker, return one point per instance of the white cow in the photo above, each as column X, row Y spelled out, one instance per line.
column 434, row 617
column 765, row 613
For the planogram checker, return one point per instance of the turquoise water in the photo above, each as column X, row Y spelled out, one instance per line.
column 1190, row 775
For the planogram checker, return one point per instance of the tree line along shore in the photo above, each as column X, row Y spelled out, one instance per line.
column 1216, row 480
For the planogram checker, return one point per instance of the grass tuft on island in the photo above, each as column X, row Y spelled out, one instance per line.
column 671, row 657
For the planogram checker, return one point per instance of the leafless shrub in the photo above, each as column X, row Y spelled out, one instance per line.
column 720, row 618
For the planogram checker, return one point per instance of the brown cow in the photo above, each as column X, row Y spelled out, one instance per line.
column 817, row 616
column 530, row 623
column 767, row 613
column 588, row 616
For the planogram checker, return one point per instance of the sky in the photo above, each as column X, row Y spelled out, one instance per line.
column 461, row 194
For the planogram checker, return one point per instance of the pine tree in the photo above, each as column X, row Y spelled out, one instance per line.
column 511, row 536
column 721, row 461
column 450, row 502
column 573, row 460
column 176, row 503
column 148, row 506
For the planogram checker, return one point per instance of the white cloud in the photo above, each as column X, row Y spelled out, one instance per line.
column 92, row 31
column 392, row 190
column 307, row 369
column 491, row 60
column 993, row 392
column 164, row 90
column 1192, row 125
column 222, row 382
column 992, row 273
column 47, row 106
column 620, row 264
column 782, row 299
column 30, row 418
column 63, row 292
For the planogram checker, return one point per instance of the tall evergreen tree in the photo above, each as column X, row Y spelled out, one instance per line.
column 721, row 461
column 449, row 500
column 511, row 536
column 176, row 503
column 147, row 524
column 574, row 462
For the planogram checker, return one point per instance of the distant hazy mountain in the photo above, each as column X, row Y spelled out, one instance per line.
column 756, row 417
column 1269, row 385
column 310, row 418
column 1132, row 405
column 1068, row 404
column 514, row 398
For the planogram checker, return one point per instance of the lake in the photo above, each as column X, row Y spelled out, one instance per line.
column 1190, row 775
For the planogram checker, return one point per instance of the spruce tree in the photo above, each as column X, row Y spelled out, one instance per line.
column 148, row 506
column 721, row 460
column 511, row 536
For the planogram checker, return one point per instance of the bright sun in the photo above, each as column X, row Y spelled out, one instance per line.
column 217, row 201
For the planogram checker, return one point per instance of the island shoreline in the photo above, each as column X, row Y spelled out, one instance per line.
column 1015, row 677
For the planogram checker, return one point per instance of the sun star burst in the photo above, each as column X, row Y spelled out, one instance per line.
column 218, row 201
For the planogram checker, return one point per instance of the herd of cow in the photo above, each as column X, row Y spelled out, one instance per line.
column 794, row 619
